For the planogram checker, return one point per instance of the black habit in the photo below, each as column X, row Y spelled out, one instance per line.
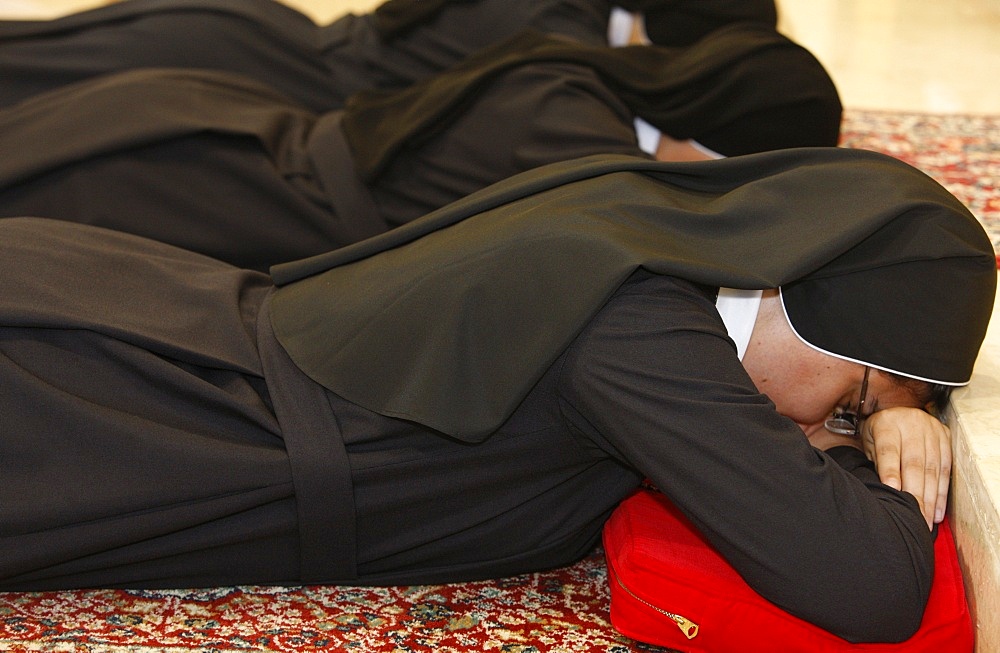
column 318, row 66
column 218, row 164
column 470, row 395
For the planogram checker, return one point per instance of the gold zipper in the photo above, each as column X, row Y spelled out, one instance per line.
column 688, row 627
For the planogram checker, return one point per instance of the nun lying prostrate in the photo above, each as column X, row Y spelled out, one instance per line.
column 319, row 66
column 471, row 395
column 220, row 165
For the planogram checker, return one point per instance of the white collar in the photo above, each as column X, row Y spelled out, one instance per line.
column 738, row 309
column 620, row 26
column 647, row 135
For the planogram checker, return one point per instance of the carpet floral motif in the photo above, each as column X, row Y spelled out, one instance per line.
column 961, row 152
column 564, row 610
column 561, row 610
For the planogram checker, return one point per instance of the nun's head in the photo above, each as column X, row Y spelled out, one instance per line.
column 819, row 391
column 914, row 299
column 682, row 22
column 741, row 89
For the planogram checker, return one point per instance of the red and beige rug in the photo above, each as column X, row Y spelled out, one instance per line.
column 559, row 611
column 565, row 610
column 961, row 152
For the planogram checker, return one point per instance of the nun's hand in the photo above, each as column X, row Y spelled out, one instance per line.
column 912, row 452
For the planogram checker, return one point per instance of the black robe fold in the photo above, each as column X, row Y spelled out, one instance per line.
column 743, row 88
column 221, row 164
column 318, row 66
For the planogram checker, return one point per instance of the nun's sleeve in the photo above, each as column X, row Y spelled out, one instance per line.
column 655, row 380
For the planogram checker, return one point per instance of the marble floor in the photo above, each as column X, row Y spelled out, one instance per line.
column 915, row 55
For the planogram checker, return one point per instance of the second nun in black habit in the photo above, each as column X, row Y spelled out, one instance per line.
column 218, row 164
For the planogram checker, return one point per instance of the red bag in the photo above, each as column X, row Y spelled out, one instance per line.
column 669, row 587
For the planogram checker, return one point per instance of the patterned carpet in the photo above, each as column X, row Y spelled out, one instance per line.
column 564, row 610
column 960, row 152
column 560, row 611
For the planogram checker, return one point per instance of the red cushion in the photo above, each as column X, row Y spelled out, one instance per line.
column 669, row 587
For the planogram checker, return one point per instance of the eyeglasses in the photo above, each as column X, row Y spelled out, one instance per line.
column 846, row 422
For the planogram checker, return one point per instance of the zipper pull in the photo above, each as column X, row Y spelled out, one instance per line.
column 688, row 627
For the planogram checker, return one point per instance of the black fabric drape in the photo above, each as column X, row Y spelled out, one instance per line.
column 698, row 92
column 668, row 22
column 395, row 17
column 477, row 299
column 681, row 22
